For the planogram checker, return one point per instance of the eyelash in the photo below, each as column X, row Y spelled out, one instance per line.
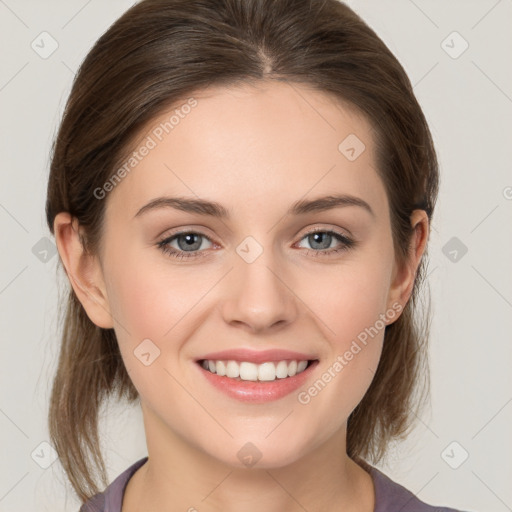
column 346, row 244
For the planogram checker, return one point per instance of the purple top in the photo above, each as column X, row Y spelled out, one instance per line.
column 389, row 496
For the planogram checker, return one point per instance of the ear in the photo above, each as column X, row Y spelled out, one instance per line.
column 403, row 277
column 83, row 270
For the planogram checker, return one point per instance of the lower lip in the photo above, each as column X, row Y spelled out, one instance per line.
column 258, row 391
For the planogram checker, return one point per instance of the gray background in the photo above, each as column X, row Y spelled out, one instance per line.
column 467, row 101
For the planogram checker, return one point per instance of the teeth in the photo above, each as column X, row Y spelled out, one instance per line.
column 248, row 371
column 267, row 371
column 282, row 370
column 251, row 371
column 220, row 368
column 232, row 369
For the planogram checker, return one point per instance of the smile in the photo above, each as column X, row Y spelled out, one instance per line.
column 245, row 370
column 266, row 377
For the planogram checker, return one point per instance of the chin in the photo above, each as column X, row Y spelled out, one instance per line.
column 258, row 453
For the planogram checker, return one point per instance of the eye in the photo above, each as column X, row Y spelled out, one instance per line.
column 185, row 244
column 326, row 242
column 189, row 244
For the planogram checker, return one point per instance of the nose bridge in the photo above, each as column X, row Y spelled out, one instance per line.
column 257, row 295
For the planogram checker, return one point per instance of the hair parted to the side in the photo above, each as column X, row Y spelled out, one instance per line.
column 156, row 54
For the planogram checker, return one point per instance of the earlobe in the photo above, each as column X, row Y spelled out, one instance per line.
column 83, row 270
column 403, row 278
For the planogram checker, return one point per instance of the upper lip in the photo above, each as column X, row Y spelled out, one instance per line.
column 257, row 357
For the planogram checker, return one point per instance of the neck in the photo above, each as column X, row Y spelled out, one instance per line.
column 178, row 476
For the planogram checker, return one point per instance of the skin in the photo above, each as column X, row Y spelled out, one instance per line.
column 255, row 150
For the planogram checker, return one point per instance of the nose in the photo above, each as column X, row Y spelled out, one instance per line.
column 258, row 297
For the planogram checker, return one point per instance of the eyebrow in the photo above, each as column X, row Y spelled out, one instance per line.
column 214, row 209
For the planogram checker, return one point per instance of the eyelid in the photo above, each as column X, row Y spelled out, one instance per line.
column 347, row 242
column 198, row 231
column 170, row 237
column 326, row 229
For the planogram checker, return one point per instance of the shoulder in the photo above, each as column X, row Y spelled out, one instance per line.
column 111, row 499
column 391, row 496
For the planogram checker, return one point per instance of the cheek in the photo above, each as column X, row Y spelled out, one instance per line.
column 156, row 302
column 149, row 300
column 351, row 312
column 352, row 300
column 148, row 305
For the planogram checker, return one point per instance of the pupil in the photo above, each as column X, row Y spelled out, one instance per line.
column 323, row 239
column 190, row 242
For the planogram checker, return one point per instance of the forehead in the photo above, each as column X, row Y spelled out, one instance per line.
column 265, row 141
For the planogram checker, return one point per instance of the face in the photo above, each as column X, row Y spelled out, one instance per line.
column 271, row 244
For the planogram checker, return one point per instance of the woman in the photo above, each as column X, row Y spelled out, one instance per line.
column 241, row 194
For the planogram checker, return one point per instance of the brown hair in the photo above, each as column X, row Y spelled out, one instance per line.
column 159, row 52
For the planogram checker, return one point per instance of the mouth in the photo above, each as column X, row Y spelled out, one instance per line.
column 268, row 371
column 256, row 377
